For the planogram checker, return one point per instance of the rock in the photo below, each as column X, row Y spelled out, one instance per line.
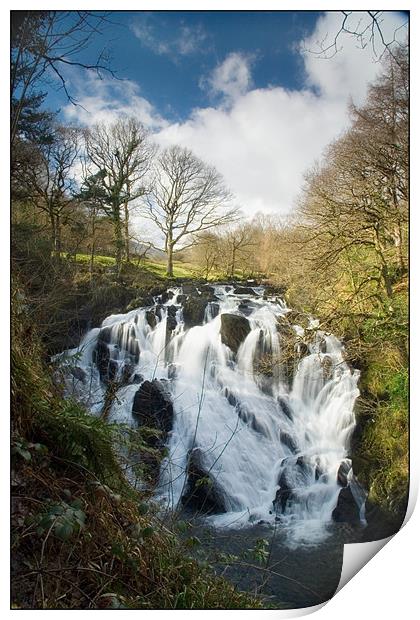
column 285, row 407
column 214, row 309
column 140, row 302
column 100, row 357
column 244, row 290
column 172, row 310
column 189, row 289
column 233, row 330
column 346, row 511
column 230, row 397
column 152, row 407
column 272, row 291
column 193, row 311
column 343, row 472
column 78, row 373
column 284, row 492
column 151, row 318
column 288, row 441
column 247, row 307
column 205, row 289
column 202, row 492
column 181, row 298
column 250, row 419
column 105, row 334
column 171, row 323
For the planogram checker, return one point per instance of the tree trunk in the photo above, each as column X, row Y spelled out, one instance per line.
column 126, row 233
column 92, row 245
column 118, row 240
column 170, row 262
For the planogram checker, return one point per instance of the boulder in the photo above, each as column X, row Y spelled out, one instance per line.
column 152, row 407
column 193, row 311
column 189, row 289
column 284, row 492
column 171, row 323
column 343, row 472
column 244, row 290
column 347, row 510
column 202, row 492
column 233, row 330
column 180, row 299
column 151, row 318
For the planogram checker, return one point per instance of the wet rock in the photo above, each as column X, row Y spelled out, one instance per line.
column 347, row 510
column 214, row 309
column 189, row 289
column 181, row 298
column 284, row 492
column 100, row 357
column 78, row 373
column 105, row 334
column 152, row 407
column 202, row 492
column 205, row 289
column 193, row 311
column 140, row 302
column 343, row 472
column 230, row 397
column 285, row 407
column 172, row 310
column 171, row 323
column 244, row 290
column 233, row 330
column 288, row 441
column 151, row 318
column 247, row 307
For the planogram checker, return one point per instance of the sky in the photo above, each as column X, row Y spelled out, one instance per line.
column 244, row 90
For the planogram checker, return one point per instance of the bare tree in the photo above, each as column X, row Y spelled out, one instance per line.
column 120, row 157
column 367, row 27
column 187, row 197
column 43, row 43
column 49, row 180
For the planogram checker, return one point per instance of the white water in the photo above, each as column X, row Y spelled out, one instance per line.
column 255, row 434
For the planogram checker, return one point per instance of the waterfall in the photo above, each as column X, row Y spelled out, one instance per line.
column 261, row 408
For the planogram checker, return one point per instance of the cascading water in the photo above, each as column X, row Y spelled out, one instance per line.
column 272, row 447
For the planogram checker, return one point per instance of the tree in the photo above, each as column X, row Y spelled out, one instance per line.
column 187, row 197
column 355, row 206
column 42, row 44
column 47, row 180
column 119, row 158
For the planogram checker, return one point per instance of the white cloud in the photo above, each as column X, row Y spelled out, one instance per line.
column 346, row 68
column 184, row 41
column 109, row 99
column 261, row 140
column 231, row 78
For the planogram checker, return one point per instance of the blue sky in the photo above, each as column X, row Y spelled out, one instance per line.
column 243, row 90
column 167, row 53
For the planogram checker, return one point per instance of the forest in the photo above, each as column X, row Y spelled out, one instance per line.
column 82, row 535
